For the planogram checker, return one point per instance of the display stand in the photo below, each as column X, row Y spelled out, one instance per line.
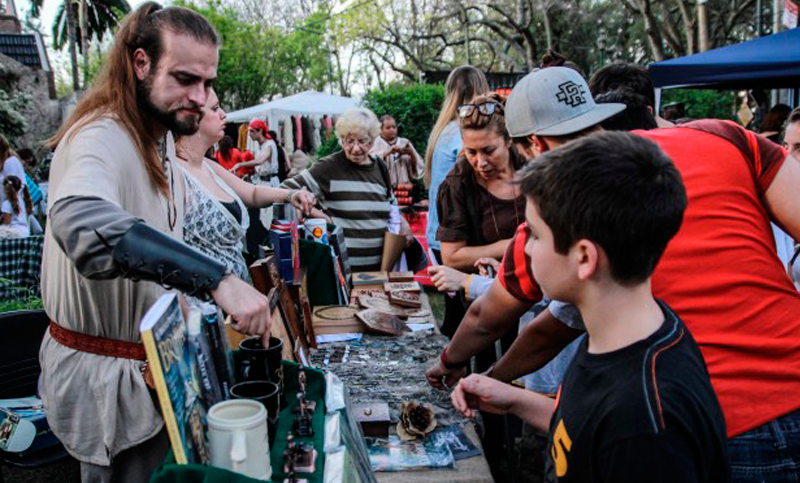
column 171, row 472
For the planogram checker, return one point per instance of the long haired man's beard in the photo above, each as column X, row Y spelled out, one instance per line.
column 169, row 119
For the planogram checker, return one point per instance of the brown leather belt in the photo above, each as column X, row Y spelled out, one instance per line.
column 97, row 345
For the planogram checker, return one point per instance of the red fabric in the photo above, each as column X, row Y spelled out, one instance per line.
column 515, row 273
column 260, row 125
column 235, row 157
column 242, row 172
column 721, row 273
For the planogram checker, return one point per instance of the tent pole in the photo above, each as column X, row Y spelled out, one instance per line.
column 658, row 101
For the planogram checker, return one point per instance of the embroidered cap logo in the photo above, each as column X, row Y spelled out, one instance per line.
column 571, row 94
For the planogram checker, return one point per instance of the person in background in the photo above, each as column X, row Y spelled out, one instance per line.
column 463, row 84
column 772, row 127
column 405, row 164
column 10, row 165
column 635, row 78
column 551, row 58
column 354, row 190
column 17, row 207
column 791, row 134
column 283, row 158
column 228, row 156
column 479, row 204
column 215, row 220
column 637, row 114
column 29, row 163
column 266, row 159
column 298, row 162
column 674, row 112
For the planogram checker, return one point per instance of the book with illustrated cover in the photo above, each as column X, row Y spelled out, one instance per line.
column 211, row 389
column 392, row 454
column 166, row 342
column 216, row 336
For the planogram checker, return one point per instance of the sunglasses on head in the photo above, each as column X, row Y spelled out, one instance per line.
column 484, row 109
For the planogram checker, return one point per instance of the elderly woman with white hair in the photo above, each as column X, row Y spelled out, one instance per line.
column 353, row 189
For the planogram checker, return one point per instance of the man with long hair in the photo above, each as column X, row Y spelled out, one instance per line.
column 114, row 239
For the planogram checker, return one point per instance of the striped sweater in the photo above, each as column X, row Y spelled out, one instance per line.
column 357, row 198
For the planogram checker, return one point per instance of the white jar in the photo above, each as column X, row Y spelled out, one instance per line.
column 237, row 437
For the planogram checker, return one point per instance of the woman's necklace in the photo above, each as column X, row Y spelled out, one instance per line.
column 494, row 218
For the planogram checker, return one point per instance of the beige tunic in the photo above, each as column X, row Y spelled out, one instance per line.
column 99, row 406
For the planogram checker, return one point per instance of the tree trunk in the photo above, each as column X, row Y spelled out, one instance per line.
column 652, row 29
column 85, row 41
column 688, row 27
column 73, row 54
column 702, row 24
column 548, row 29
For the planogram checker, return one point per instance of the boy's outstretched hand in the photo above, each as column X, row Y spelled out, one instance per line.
column 484, row 393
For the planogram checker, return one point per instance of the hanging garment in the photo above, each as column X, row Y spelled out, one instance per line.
column 298, row 131
column 327, row 123
column 242, row 141
column 307, row 135
column 288, row 137
column 316, row 139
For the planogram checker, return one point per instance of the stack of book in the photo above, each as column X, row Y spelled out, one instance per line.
column 284, row 238
column 192, row 370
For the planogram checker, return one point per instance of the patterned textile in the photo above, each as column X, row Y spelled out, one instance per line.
column 212, row 229
column 33, row 189
column 20, row 267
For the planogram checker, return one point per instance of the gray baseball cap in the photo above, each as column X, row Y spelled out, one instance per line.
column 555, row 101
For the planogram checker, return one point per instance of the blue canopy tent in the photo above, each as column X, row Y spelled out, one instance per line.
column 771, row 62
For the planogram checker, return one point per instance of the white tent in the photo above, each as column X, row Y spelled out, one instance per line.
column 306, row 103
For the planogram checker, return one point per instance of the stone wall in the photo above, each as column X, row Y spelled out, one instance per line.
column 31, row 92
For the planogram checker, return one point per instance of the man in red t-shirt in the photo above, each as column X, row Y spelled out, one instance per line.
column 720, row 273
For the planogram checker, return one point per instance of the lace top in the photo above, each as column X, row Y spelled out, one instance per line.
column 211, row 228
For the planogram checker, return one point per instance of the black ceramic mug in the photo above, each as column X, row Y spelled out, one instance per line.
column 267, row 394
column 260, row 363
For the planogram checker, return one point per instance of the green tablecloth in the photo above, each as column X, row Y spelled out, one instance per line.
column 170, row 472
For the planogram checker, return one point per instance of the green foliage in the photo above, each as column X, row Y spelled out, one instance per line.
column 22, row 298
column 102, row 17
column 12, row 123
column 703, row 103
column 92, row 68
column 414, row 107
column 258, row 62
column 328, row 147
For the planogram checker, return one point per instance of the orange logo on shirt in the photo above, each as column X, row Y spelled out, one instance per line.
column 562, row 444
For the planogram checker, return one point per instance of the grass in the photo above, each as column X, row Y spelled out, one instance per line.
column 26, row 299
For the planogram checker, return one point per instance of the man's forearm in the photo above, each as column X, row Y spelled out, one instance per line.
column 104, row 242
column 535, row 346
column 488, row 318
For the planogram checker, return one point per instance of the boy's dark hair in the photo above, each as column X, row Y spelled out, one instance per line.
column 637, row 113
column 615, row 189
column 794, row 116
column 624, row 75
column 773, row 121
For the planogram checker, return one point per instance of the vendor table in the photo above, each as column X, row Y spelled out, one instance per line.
column 392, row 370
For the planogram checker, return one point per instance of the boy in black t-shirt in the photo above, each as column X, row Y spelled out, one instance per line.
column 636, row 404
